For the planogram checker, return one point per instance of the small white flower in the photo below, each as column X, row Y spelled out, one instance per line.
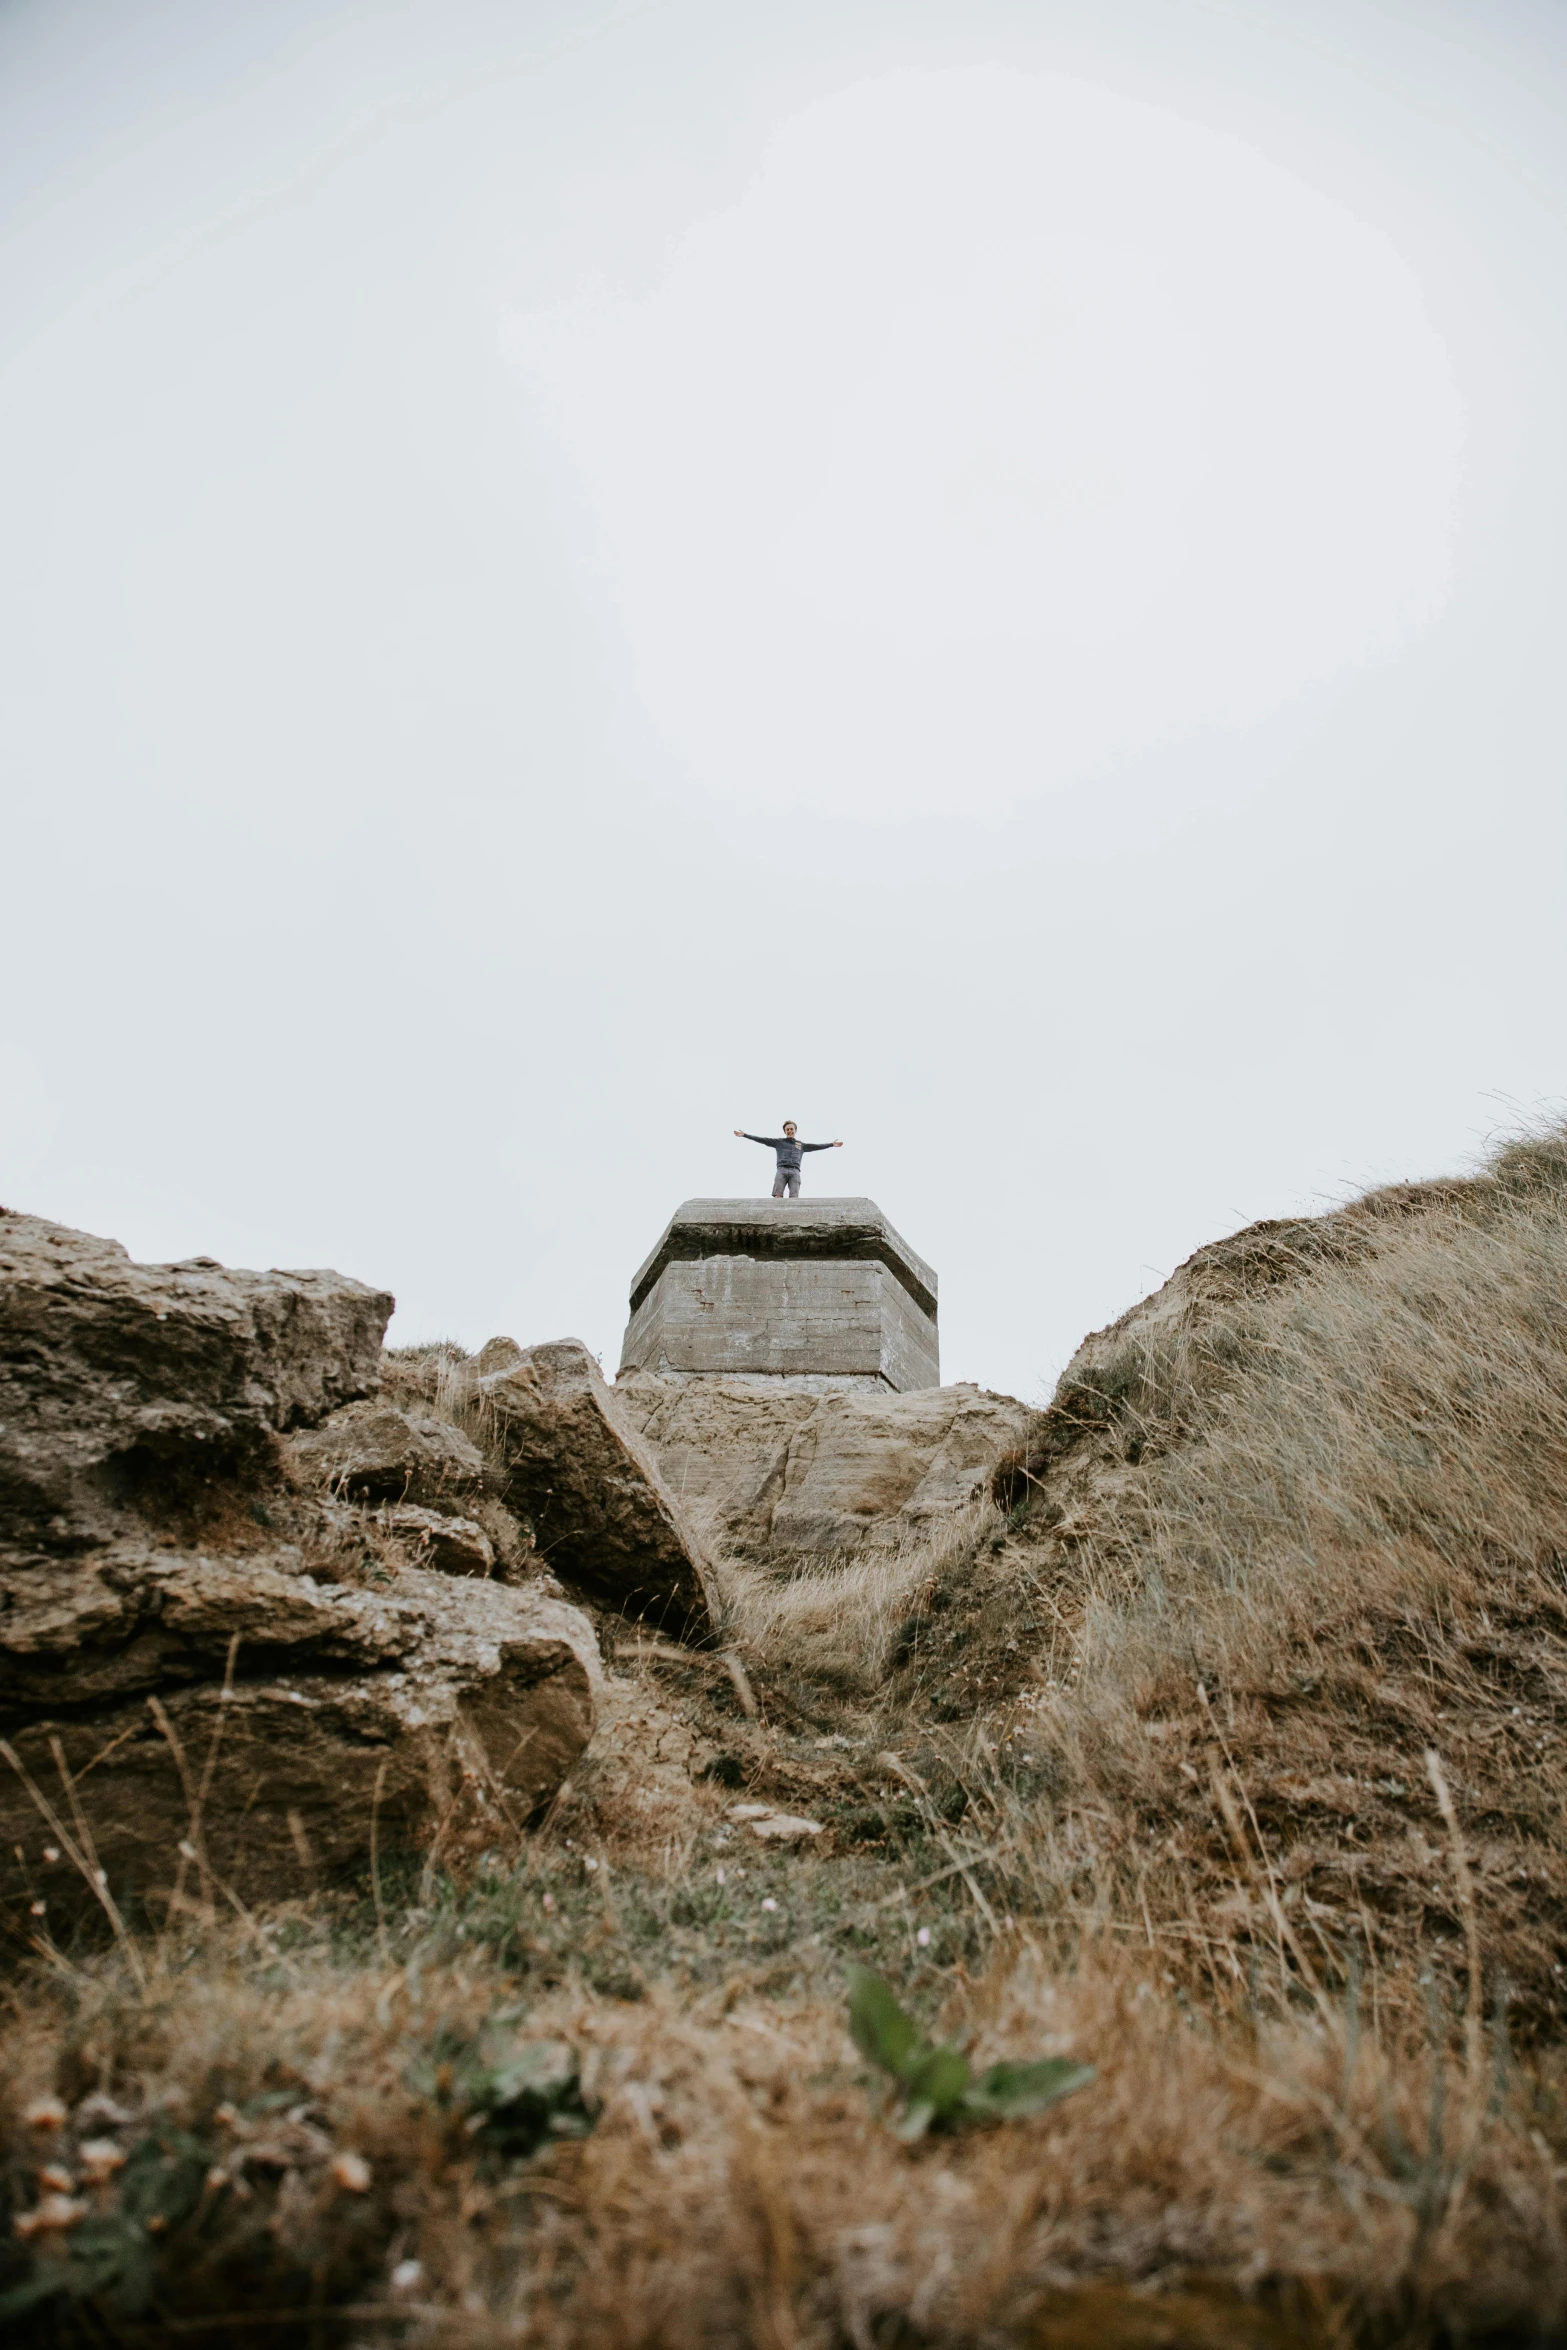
column 52, row 2216
column 769, row 1903
column 923, row 1937
column 100, row 2158
column 407, row 2275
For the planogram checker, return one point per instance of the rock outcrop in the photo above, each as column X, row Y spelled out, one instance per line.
column 779, row 1471
column 373, row 1452
column 217, row 1670
column 602, row 1514
column 161, row 1701
column 452, row 1546
column 114, row 1374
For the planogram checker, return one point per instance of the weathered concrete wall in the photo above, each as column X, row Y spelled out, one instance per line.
column 729, row 1314
column 820, row 1289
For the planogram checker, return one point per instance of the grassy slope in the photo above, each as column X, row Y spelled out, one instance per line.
column 1147, row 1765
column 1302, row 1520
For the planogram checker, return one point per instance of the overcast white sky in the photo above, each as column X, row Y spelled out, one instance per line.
column 987, row 577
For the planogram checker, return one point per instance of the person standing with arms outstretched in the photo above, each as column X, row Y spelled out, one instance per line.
column 789, row 1152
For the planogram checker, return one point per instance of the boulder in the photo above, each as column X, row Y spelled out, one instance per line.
column 718, row 1442
column 773, row 1827
column 373, row 1452
column 602, row 1514
column 780, row 1472
column 450, row 1546
column 111, row 1372
column 312, row 1716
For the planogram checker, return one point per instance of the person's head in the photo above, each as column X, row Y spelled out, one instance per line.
column 790, row 1126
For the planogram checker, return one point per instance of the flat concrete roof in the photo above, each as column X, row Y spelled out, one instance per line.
column 785, row 1228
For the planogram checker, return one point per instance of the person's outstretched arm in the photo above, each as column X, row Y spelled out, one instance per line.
column 817, row 1146
column 769, row 1142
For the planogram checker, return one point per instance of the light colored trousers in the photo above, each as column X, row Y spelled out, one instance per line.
column 788, row 1180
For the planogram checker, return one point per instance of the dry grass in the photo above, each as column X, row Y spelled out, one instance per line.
column 838, row 1622
column 1307, row 1535
column 738, row 2188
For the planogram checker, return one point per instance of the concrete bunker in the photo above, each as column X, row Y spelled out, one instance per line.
column 821, row 1293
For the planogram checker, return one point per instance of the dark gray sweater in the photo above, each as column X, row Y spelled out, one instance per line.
column 788, row 1149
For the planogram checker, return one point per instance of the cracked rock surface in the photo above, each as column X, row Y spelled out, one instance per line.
column 342, row 1703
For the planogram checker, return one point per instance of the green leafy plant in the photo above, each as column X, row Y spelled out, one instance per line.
column 934, row 2084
